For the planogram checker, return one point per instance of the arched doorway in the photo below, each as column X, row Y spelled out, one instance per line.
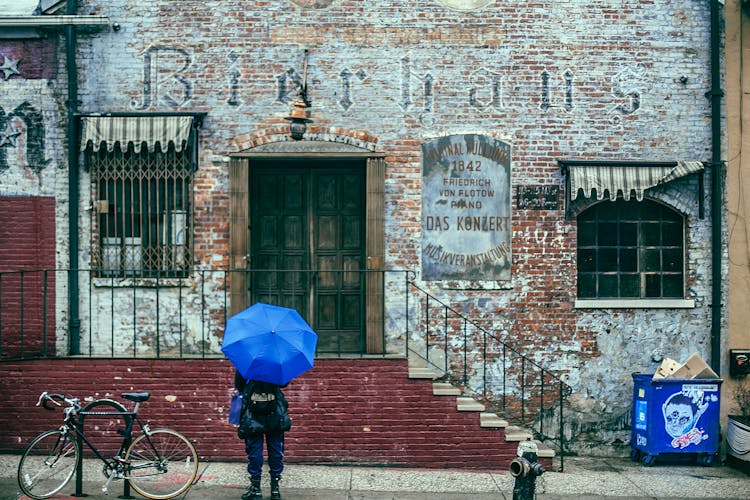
column 306, row 231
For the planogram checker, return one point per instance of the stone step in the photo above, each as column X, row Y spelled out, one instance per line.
column 445, row 389
column 469, row 404
column 422, row 373
column 514, row 433
column 544, row 450
column 492, row 420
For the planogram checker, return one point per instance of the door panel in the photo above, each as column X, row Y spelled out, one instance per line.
column 308, row 219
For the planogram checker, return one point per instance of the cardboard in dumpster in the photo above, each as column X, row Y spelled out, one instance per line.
column 694, row 368
column 666, row 368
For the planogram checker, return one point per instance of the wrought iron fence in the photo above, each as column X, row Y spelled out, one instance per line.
column 184, row 317
column 175, row 317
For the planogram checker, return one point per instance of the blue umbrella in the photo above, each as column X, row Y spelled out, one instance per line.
column 269, row 343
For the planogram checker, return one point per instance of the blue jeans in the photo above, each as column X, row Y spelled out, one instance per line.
column 254, row 450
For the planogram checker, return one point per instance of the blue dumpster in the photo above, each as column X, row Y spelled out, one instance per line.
column 675, row 416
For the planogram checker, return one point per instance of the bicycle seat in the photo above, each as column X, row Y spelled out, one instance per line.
column 136, row 397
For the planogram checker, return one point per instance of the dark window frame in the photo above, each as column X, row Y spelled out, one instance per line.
column 631, row 250
column 142, row 215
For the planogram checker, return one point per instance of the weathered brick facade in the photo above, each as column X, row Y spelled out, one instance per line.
column 554, row 80
column 340, row 413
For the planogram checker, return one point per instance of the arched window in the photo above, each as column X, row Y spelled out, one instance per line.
column 631, row 249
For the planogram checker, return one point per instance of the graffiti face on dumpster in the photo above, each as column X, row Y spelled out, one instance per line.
column 682, row 412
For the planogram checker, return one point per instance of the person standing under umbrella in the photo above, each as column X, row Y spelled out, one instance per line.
column 264, row 416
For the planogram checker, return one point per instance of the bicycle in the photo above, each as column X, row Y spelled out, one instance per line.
column 159, row 463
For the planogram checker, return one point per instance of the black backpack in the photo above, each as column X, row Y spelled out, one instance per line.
column 264, row 409
column 260, row 397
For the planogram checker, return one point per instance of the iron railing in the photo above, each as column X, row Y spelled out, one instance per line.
column 172, row 317
column 184, row 318
column 484, row 364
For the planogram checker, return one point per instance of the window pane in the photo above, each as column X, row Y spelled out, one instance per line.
column 673, row 286
column 586, row 260
column 672, row 234
column 673, row 260
column 586, row 234
column 651, row 212
column 650, row 234
column 631, row 246
column 651, row 260
column 628, row 260
column 608, row 285
column 630, row 285
column 608, row 260
column 608, row 210
column 628, row 234
column 586, row 285
column 607, row 234
column 653, row 285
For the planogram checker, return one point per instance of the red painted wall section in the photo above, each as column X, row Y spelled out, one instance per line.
column 27, row 243
column 347, row 412
column 35, row 58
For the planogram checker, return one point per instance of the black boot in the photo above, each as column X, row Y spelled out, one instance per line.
column 275, row 493
column 253, row 492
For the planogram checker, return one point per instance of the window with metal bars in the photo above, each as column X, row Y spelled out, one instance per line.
column 630, row 249
column 143, row 206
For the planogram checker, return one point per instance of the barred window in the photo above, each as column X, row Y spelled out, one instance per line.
column 630, row 249
column 143, row 206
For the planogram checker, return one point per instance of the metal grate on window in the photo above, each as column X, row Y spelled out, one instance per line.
column 143, row 212
column 630, row 249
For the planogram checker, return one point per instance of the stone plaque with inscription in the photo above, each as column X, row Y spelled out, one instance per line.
column 466, row 209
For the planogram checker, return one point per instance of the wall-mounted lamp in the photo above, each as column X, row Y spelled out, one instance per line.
column 299, row 118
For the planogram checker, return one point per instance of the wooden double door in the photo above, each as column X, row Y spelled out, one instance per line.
column 307, row 244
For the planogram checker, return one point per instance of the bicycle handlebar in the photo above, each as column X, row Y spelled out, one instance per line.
column 45, row 398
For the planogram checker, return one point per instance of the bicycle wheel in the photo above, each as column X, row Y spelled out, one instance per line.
column 103, row 421
column 163, row 464
column 48, row 464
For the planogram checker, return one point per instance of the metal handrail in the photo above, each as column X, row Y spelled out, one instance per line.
column 523, row 392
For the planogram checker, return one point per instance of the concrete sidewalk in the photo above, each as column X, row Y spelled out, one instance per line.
column 583, row 479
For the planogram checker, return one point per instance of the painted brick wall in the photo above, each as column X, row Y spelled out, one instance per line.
column 363, row 412
column 37, row 58
column 557, row 80
column 27, row 243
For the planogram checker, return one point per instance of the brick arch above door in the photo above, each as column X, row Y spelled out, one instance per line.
column 239, row 170
column 317, row 140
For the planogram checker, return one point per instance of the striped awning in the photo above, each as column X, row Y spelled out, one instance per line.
column 122, row 130
column 585, row 178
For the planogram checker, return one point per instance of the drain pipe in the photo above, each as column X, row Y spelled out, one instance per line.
column 717, row 168
column 74, row 321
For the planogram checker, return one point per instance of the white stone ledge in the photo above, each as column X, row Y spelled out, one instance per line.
column 634, row 304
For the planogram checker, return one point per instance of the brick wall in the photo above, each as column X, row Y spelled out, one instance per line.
column 27, row 242
column 556, row 80
column 362, row 412
column 37, row 58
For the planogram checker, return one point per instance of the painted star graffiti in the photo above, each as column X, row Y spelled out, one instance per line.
column 10, row 67
column 9, row 135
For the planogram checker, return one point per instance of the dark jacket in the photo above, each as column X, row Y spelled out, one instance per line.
column 268, row 414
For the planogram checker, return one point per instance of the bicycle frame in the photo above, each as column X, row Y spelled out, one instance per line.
column 117, row 468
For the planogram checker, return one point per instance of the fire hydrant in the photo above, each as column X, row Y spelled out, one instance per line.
column 525, row 469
